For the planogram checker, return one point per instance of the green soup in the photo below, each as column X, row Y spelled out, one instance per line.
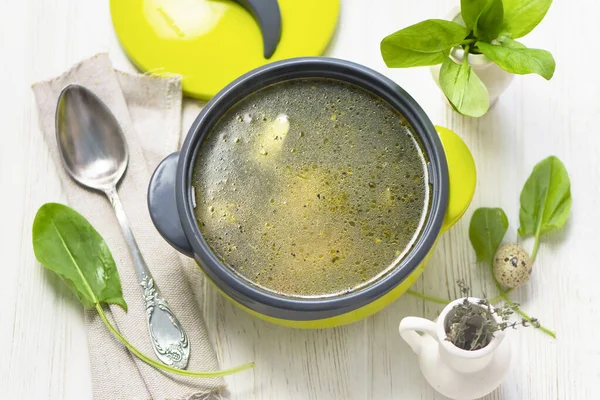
column 311, row 188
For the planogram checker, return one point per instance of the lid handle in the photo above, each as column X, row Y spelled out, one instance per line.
column 268, row 16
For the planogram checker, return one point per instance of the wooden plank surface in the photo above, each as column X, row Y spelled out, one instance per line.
column 41, row 325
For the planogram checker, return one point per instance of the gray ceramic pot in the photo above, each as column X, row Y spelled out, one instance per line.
column 170, row 199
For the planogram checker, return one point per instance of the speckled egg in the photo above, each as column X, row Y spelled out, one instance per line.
column 512, row 266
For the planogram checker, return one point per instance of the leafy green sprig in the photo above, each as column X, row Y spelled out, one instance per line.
column 67, row 244
column 488, row 27
column 545, row 207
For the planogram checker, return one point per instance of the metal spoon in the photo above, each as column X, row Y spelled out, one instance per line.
column 94, row 153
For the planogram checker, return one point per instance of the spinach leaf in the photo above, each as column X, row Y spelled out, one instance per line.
column 521, row 17
column 464, row 89
column 398, row 57
column 518, row 59
column 486, row 231
column 66, row 243
column 545, row 198
column 430, row 36
column 511, row 44
column 470, row 10
column 489, row 22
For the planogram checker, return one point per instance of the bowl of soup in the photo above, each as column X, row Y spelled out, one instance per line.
column 312, row 191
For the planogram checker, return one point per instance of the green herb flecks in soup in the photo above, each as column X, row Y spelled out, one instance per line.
column 311, row 188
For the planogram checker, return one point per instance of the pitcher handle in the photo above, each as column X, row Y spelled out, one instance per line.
column 409, row 327
column 462, row 176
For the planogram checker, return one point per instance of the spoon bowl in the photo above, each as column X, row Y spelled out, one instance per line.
column 90, row 140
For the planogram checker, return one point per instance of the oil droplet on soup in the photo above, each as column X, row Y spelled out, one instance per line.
column 311, row 188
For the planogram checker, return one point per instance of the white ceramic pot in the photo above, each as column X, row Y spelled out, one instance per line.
column 456, row 373
column 493, row 77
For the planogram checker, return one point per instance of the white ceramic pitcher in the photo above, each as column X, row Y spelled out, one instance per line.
column 454, row 372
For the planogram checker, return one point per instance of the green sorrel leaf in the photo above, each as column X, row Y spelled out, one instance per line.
column 430, row 36
column 66, row 243
column 470, row 10
column 397, row 57
column 511, row 44
column 487, row 229
column 522, row 16
column 489, row 22
column 545, row 198
column 464, row 89
column 515, row 58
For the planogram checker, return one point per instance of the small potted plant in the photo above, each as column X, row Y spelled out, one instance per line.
column 475, row 53
column 472, row 324
column 464, row 354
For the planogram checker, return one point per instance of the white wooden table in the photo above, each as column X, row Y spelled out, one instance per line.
column 44, row 351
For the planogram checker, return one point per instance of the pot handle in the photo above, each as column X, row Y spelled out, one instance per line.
column 409, row 327
column 163, row 205
column 462, row 176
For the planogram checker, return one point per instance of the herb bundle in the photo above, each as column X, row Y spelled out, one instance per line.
column 472, row 326
column 487, row 27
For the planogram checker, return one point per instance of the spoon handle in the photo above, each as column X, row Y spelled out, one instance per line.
column 169, row 340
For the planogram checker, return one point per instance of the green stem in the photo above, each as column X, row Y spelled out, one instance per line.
column 428, row 298
column 518, row 310
column 536, row 245
column 541, row 328
column 495, row 299
column 468, row 41
column 466, row 56
column 498, row 298
column 157, row 365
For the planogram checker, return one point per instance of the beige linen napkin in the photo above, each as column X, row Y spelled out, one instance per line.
column 148, row 109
